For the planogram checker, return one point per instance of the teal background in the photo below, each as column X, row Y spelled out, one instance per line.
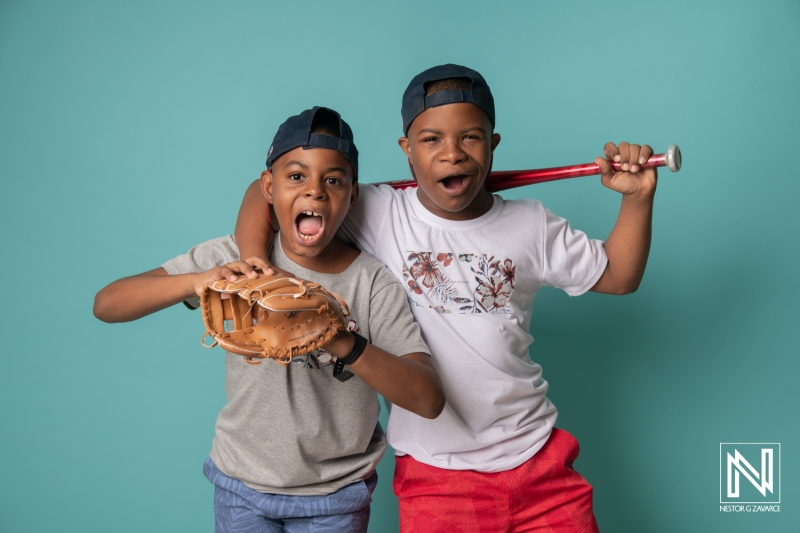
column 129, row 131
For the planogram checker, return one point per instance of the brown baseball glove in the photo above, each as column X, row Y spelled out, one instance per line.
column 274, row 317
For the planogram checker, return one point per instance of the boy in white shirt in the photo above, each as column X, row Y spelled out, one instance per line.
column 472, row 263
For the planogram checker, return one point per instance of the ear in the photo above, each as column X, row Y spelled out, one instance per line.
column 495, row 140
column 266, row 184
column 353, row 195
column 405, row 146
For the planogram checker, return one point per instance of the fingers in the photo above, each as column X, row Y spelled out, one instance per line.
column 247, row 269
column 629, row 156
column 261, row 264
column 605, row 166
column 266, row 267
column 226, row 273
column 645, row 154
column 624, row 156
column 232, row 270
column 611, row 152
column 633, row 157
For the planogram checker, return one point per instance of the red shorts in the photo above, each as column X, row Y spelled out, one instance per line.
column 544, row 495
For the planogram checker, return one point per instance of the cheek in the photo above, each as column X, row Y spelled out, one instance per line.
column 479, row 150
column 422, row 161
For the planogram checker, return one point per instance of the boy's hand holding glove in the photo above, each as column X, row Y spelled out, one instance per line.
column 274, row 316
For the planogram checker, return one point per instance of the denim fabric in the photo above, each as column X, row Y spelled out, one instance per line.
column 240, row 509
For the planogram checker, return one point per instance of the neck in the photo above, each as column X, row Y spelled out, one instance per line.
column 334, row 258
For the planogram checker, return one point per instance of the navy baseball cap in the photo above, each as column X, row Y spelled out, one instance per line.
column 296, row 132
column 415, row 101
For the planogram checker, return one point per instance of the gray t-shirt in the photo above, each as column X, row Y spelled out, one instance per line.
column 296, row 429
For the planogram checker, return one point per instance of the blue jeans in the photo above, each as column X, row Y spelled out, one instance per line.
column 240, row 509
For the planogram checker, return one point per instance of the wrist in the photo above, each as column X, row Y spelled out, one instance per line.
column 638, row 198
column 194, row 285
column 341, row 344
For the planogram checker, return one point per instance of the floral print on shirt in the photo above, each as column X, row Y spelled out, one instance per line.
column 429, row 275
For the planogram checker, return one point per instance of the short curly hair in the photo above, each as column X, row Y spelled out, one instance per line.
column 447, row 84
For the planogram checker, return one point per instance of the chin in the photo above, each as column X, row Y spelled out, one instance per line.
column 300, row 249
column 455, row 204
column 308, row 251
column 452, row 206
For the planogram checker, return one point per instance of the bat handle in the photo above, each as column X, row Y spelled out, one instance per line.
column 670, row 159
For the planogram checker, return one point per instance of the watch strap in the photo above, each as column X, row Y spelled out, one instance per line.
column 359, row 344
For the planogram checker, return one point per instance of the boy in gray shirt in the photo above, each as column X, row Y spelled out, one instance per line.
column 295, row 448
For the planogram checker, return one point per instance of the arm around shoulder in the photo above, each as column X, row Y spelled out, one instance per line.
column 254, row 233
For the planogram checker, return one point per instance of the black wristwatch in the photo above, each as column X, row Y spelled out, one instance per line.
column 358, row 348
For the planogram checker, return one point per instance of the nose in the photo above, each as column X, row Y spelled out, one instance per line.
column 452, row 151
column 315, row 189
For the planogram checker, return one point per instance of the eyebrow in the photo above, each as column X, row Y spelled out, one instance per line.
column 340, row 169
column 465, row 130
column 329, row 169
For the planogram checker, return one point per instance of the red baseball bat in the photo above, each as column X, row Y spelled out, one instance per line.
column 508, row 179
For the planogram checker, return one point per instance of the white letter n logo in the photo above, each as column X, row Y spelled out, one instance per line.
column 741, row 465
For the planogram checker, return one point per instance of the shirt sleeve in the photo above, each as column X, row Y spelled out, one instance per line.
column 366, row 219
column 391, row 325
column 572, row 261
column 202, row 257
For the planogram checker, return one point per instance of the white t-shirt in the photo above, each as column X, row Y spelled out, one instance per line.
column 471, row 286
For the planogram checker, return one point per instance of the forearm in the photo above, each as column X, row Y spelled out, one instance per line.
column 253, row 232
column 137, row 296
column 409, row 382
column 628, row 246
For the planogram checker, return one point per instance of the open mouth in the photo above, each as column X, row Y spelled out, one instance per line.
column 455, row 184
column 309, row 225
